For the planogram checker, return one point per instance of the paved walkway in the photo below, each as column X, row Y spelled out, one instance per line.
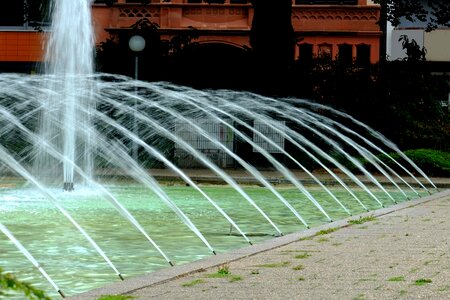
column 401, row 252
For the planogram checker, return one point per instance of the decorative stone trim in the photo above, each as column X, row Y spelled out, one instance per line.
column 138, row 12
column 335, row 14
column 232, row 11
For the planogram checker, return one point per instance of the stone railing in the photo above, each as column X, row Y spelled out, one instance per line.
column 335, row 18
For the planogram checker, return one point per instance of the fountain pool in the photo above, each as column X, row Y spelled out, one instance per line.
column 76, row 267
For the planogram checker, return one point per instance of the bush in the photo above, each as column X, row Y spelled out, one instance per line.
column 432, row 162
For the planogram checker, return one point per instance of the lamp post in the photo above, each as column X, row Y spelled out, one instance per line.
column 136, row 44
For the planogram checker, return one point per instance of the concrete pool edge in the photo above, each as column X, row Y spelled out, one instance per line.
column 159, row 277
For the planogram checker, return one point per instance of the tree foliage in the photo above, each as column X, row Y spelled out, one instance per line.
column 413, row 50
column 434, row 13
column 272, row 35
column 9, row 282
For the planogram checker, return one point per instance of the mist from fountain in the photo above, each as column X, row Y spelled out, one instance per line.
column 73, row 126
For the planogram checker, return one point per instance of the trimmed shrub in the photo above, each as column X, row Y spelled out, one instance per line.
column 432, row 162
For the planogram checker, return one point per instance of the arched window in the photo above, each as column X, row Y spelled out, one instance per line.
column 345, row 54
column 363, row 54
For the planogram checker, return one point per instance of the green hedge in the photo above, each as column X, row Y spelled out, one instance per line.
column 432, row 162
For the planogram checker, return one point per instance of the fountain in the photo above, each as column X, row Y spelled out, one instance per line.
column 77, row 202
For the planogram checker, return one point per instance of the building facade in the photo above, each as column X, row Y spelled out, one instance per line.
column 340, row 28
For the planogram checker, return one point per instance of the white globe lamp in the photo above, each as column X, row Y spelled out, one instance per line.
column 136, row 43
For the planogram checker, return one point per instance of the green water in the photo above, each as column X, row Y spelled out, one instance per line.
column 76, row 267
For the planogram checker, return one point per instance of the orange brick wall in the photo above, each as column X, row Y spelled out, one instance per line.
column 21, row 46
column 316, row 24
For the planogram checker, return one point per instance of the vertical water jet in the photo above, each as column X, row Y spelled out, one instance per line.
column 69, row 61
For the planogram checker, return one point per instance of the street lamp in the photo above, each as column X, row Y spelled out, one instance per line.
column 136, row 44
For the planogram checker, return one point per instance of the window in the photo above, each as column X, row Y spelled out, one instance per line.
column 276, row 137
column 325, row 50
column 305, row 53
column 363, row 54
column 327, row 2
column 16, row 13
column 12, row 13
column 345, row 54
column 38, row 12
column 107, row 2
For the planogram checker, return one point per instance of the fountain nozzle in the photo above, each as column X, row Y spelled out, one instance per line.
column 68, row 186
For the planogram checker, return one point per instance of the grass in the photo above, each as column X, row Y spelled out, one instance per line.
column 319, row 233
column 323, row 240
column 298, row 268
column 326, row 231
column 302, row 256
column 230, row 277
column 297, row 251
column 235, row 278
column 116, row 297
column 275, row 265
column 422, row 281
column 224, row 272
column 396, row 279
column 188, row 284
column 362, row 220
column 364, row 280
